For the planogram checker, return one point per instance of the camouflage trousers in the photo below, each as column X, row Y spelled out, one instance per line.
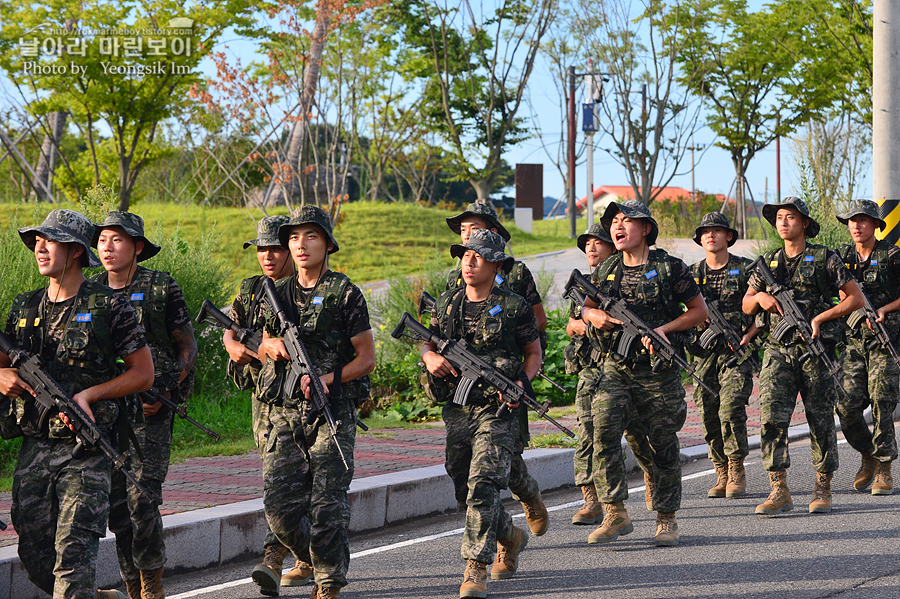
column 724, row 417
column 588, row 386
column 133, row 517
column 303, row 476
column 479, row 446
column 657, row 401
column 521, row 484
column 871, row 378
column 782, row 377
column 60, row 506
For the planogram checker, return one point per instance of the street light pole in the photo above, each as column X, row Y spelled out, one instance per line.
column 571, row 190
column 589, row 127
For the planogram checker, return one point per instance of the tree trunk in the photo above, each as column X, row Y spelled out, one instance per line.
column 56, row 122
column 740, row 210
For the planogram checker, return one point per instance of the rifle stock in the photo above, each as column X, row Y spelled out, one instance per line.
column 211, row 315
column 153, row 395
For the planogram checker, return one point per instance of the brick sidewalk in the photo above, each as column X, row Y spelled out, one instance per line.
column 206, row 482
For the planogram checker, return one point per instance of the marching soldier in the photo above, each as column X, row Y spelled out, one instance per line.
column 815, row 274
column 79, row 329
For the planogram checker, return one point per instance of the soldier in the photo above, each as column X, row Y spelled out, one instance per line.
column 583, row 359
column 501, row 328
column 815, row 274
column 870, row 375
column 79, row 329
column 520, row 281
column 723, row 277
column 249, row 311
column 302, row 469
column 654, row 284
column 163, row 315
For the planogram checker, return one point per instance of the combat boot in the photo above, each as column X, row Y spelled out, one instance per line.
column 666, row 529
column 111, row 594
column 865, row 473
column 821, row 502
column 474, row 580
column 884, row 482
column 325, row 592
column 718, row 489
column 133, row 588
column 737, row 478
column 536, row 515
column 616, row 523
column 151, row 584
column 648, row 490
column 508, row 551
column 267, row 575
column 592, row 510
column 779, row 499
column 299, row 575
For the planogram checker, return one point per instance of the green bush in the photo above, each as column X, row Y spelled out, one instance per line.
column 554, row 361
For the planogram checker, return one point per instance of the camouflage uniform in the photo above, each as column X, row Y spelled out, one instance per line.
column 60, row 503
column 871, row 377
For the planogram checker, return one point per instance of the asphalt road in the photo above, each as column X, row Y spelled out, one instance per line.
column 725, row 550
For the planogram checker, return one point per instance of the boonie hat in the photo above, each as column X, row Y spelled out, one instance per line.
column 133, row 225
column 305, row 215
column 64, row 226
column 715, row 219
column 770, row 211
column 482, row 211
column 857, row 207
column 631, row 209
column 597, row 231
column 267, row 231
column 488, row 245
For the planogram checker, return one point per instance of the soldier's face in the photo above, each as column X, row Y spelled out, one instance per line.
column 117, row 250
column 628, row 233
column 477, row 271
column 715, row 239
column 309, row 246
column 274, row 260
column 53, row 258
column 790, row 224
column 862, row 228
column 472, row 223
column 597, row 251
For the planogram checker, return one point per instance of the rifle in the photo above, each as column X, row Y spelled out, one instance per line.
column 471, row 368
column 302, row 364
column 719, row 327
column 794, row 319
column 426, row 302
column 51, row 396
column 858, row 317
column 633, row 328
column 153, row 395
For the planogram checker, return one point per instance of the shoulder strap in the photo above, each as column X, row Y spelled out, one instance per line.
column 32, row 305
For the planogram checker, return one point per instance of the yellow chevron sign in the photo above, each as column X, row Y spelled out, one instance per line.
column 890, row 212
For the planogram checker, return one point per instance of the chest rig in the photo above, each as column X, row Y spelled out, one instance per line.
column 245, row 376
column 730, row 296
column 875, row 282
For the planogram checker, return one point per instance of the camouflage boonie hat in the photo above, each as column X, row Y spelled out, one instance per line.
column 597, row 231
column 715, row 219
column 488, row 245
column 631, row 209
column 482, row 211
column 64, row 226
column 267, row 231
column 305, row 215
column 770, row 211
column 133, row 225
column 857, row 207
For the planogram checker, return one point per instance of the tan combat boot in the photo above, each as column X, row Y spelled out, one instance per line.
column 666, row 529
column 508, row 551
column 536, row 515
column 592, row 510
column 884, row 482
column 779, row 499
column 325, row 592
column 648, row 490
column 133, row 588
column 821, row 501
column 299, row 575
column 267, row 575
column 474, row 580
column 737, row 478
column 151, row 584
column 865, row 473
column 616, row 523
column 111, row 594
column 718, row 489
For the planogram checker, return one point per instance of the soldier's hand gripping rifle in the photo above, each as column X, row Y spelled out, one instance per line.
column 633, row 328
column 211, row 315
column 858, row 318
column 426, row 302
column 795, row 320
column 471, row 368
column 302, row 364
column 153, row 395
column 719, row 327
column 49, row 394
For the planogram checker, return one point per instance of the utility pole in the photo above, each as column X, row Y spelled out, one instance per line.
column 571, row 190
column 886, row 102
column 693, row 187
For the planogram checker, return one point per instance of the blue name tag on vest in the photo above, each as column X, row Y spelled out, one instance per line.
column 498, row 279
column 874, row 262
column 318, row 300
column 494, row 311
column 808, row 258
column 651, row 274
column 734, row 272
column 83, row 317
column 137, row 297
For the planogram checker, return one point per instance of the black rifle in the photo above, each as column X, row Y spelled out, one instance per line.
column 211, row 315
column 579, row 288
column 471, row 368
column 153, row 395
column 426, row 302
column 51, row 396
column 302, row 364
column 858, row 318
column 795, row 320
column 719, row 327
